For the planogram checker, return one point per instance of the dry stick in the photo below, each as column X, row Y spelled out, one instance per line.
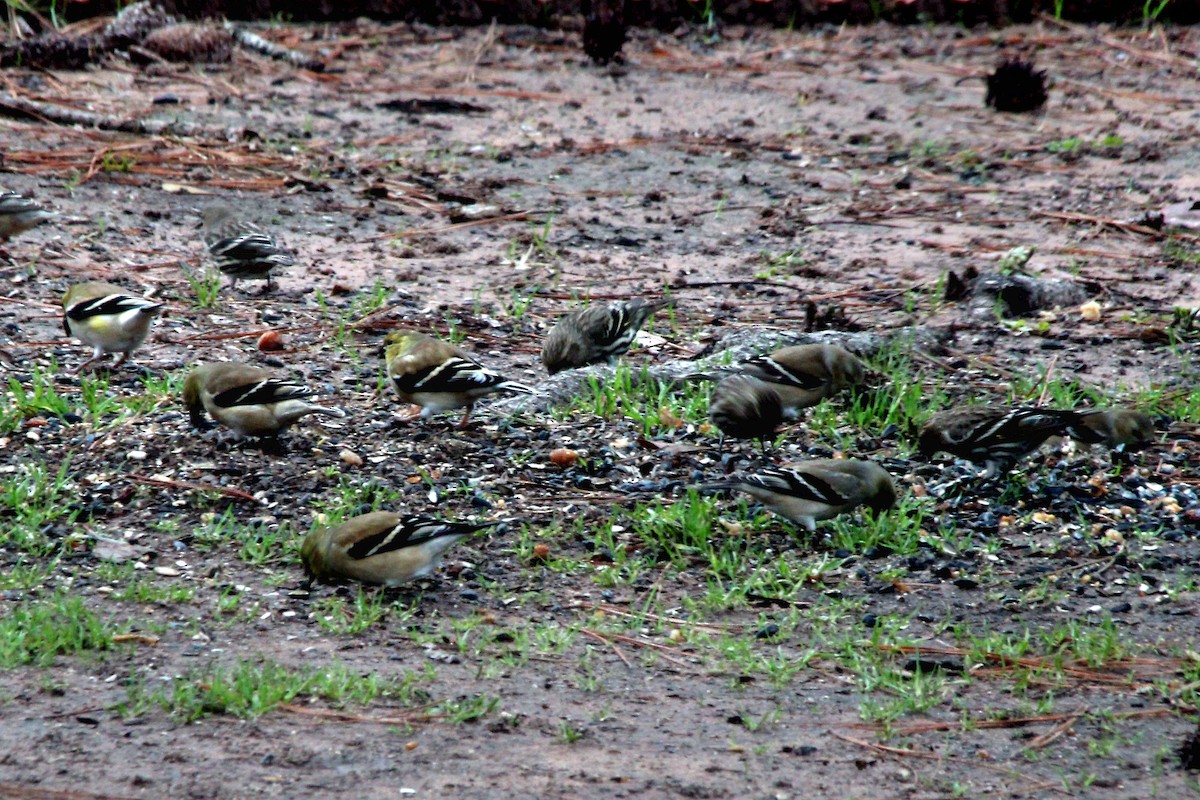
column 23, row 108
column 253, row 41
column 600, row 637
column 1038, row 742
column 456, row 226
column 1136, row 52
column 343, row 716
column 1128, row 227
column 1046, row 380
column 237, row 494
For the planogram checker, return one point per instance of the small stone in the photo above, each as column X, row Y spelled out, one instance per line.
column 137, row 455
column 350, row 457
column 1090, row 311
column 168, row 572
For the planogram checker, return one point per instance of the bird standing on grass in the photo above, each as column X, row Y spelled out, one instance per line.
column 249, row 400
column 806, row 374
column 595, row 333
column 817, row 490
column 382, row 547
column 18, row 214
column 438, row 376
column 745, row 408
column 240, row 249
column 108, row 318
column 997, row 436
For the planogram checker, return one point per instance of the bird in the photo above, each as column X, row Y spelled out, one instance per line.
column 745, row 408
column 382, row 547
column 108, row 318
column 806, row 374
column 1119, row 428
column 240, row 249
column 818, row 489
column 249, row 400
column 438, row 376
column 18, row 214
column 595, row 333
column 996, row 436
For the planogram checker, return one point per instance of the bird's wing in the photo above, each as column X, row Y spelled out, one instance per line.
column 411, row 530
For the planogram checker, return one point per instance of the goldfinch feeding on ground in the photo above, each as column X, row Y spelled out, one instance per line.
column 806, row 374
column 997, row 436
column 249, row 400
column 438, row 376
column 240, row 249
column 107, row 317
column 745, row 408
column 382, row 547
column 817, row 490
column 595, row 333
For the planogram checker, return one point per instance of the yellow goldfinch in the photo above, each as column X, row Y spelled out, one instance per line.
column 818, row 489
column 745, row 408
column 806, row 374
column 18, row 214
column 108, row 318
column 249, row 400
column 240, row 249
column 438, row 376
column 595, row 333
column 382, row 547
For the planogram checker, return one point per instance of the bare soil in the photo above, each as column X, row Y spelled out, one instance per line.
column 753, row 173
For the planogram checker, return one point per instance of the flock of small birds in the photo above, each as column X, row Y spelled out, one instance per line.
column 749, row 402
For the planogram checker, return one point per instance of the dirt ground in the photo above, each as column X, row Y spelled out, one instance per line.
column 750, row 172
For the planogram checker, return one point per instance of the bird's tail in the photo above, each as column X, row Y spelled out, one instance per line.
column 326, row 411
column 514, row 386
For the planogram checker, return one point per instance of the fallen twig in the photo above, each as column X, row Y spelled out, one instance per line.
column 228, row 491
column 23, row 108
column 252, row 41
column 344, row 716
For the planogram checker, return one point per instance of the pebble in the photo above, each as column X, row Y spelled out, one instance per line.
column 137, row 455
column 350, row 457
column 169, row 572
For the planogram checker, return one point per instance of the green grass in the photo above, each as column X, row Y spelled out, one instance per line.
column 32, row 499
column 250, row 689
column 36, row 632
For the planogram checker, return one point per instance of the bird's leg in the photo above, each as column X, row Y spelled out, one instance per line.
column 97, row 354
column 466, row 417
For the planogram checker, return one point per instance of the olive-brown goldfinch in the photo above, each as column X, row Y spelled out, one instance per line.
column 438, row 376
column 251, row 401
column 382, row 547
column 239, row 248
column 819, row 489
column 595, row 333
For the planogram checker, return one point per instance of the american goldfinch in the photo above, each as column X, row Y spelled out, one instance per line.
column 818, row 489
column 239, row 248
column 18, row 214
column 745, row 408
column 993, row 435
column 382, row 547
column 595, row 333
column 1115, row 428
column 806, row 374
column 249, row 400
column 438, row 376
column 108, row 318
